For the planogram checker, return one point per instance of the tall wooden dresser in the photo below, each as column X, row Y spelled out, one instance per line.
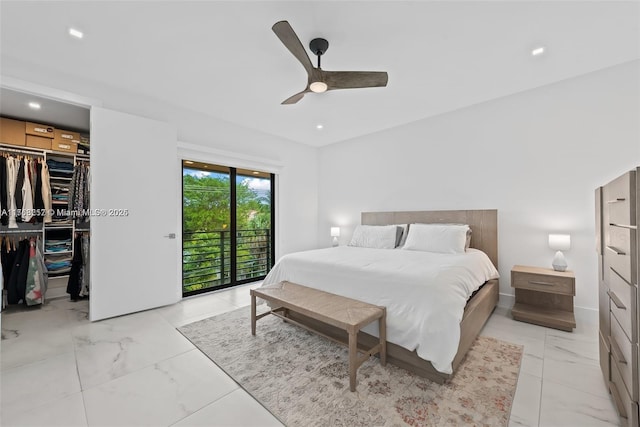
column 617, row 217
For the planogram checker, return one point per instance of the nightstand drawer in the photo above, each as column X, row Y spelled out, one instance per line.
column 543, row 283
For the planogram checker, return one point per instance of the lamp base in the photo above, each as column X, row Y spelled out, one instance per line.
column 559, row 262
column 335, row 242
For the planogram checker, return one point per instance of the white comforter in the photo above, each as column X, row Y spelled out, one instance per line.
column 425, row 293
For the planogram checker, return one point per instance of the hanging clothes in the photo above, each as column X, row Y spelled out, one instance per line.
column 36, row 284
column 4, row 206
column 38, row 200
column 46, row 193
column 24, row 273
column 85, row 288
column 17, row 192
column 12, row 177
column 18, row 275
column 27, row 194
column 74, row 285
column 79, row 191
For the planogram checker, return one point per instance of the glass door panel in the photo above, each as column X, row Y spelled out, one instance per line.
column 206, row 226
column 227, row 226
column 254, row 225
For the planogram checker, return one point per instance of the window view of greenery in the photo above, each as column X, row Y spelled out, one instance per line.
column 207, row 226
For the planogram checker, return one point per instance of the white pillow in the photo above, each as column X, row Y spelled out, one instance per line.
column 375, row 236
column 448, row 239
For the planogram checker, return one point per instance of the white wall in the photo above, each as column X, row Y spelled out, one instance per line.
column 535, row 156
column 298, row 164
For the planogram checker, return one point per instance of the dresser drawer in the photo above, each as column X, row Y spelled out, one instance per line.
column 605, row 360
column 625, row 356
column 623, row 303
column 626, row 407
column 619, row 199
column 543, row 283
column 619, row 261
column 624, row 316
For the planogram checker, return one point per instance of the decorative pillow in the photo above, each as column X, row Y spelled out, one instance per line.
column 442, row 238
column 403, row 230
column 375, row 236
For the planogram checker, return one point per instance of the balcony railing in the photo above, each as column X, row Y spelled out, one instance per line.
column 206, row 257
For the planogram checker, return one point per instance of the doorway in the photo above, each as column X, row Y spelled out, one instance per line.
column 227, row 226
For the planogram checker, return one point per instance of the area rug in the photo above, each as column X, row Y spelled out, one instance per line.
column 303, row 379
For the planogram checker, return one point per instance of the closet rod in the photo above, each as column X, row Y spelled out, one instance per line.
column 22, row 151
column 3, row 232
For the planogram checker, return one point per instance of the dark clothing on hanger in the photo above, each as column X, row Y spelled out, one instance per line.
column 18, row 279
column 74, row 285
column 8, row 257
column 18, row 192
column 4, row 197
column 38, row 201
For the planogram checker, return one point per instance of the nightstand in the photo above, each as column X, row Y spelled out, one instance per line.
column 544, row 296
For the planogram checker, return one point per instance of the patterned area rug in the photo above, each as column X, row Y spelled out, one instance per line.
column 303, row 378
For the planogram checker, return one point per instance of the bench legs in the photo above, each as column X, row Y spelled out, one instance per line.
column 382, row 328
column 253, row 313
column 353, row 359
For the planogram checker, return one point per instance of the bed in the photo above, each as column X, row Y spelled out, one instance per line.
column 424, row 307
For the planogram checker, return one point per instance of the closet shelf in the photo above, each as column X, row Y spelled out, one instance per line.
column 58, row 253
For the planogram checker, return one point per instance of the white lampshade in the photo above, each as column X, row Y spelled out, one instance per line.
column 560, row 242
column 335, row 231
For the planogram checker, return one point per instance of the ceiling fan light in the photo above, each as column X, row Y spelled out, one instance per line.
column 318, row 87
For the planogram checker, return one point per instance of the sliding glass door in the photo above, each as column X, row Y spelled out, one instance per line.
column 227, row 226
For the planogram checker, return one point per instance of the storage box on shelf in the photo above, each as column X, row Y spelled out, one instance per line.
column 38, row 129
column 617, row 217
column 42, row 136
column 12, row 132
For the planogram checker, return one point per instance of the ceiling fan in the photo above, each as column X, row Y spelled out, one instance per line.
column 320, row 80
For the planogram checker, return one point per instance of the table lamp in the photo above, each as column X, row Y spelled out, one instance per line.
column 335, row 233
column 559, row 243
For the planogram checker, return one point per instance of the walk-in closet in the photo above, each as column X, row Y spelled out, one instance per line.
column 45, row 213
column 99, row 214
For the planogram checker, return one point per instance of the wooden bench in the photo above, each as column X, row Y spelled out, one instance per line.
column 345, row 313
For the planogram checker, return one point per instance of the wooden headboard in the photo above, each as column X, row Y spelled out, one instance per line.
column 483, row 223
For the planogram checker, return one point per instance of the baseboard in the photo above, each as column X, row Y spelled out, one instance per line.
column 583, row 314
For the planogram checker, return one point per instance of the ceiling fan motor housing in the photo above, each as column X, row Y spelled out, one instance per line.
column 318, row 46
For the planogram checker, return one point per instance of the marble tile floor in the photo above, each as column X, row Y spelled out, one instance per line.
column 59, row 369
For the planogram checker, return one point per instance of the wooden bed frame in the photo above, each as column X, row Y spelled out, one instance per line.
column 484, row 227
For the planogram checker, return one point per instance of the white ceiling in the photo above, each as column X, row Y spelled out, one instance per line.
column 222, row 59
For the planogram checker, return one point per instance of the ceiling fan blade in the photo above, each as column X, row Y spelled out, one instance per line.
column 291, row 41
column 354, row 79
column 295, row 98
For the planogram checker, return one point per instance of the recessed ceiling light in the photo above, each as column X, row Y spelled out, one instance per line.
column 76, row 33
column 538, row 51
column 256, row 173
column 189, row 162
column 34, row 105
column 319, row 127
